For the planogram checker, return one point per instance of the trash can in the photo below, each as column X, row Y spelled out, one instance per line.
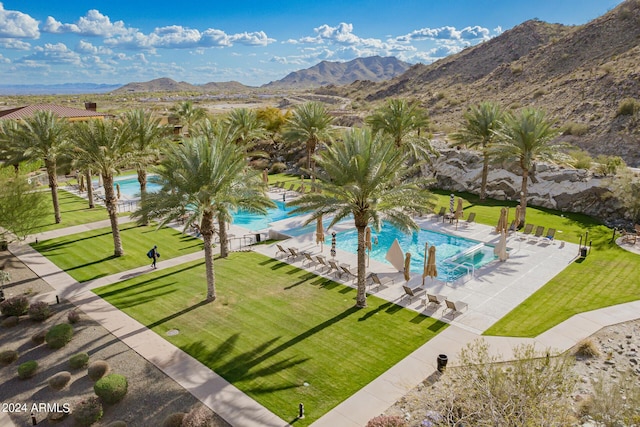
column 257, row 237
column 442, row 362
column 583, row 252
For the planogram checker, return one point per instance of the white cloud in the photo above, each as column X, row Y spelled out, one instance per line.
column 14, row 24
column 15, row 44
column 93, row 23
column 86, row 47
column 446, row 33
column 50, row 53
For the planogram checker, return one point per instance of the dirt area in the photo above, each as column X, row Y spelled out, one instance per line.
column 151, row 398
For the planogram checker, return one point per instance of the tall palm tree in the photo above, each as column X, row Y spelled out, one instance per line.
column 43, row 137
column 525, row 138
column 146, row 134
column 246, row 126
column 103, row 147
column 365, row 176
column 199, row 177
column 403, row 121
column 479, row 131
column 189, row 115
column 309, row 123
column 8, row 155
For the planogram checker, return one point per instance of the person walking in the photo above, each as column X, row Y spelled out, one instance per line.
column 154, row 254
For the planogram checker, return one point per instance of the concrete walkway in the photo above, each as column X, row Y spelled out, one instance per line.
column 491, row 293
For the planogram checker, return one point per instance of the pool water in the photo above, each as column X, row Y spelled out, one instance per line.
column 255, row 222
column 450, row 250
column 130, row 187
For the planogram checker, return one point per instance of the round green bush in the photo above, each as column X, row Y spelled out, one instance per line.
column 39, row 311
column 59, row 380
column 7, row 357
column 98, row 369
column 27, row 369
column 59, row 335
column 277, row 168
column 111, row 388
column 88, row 411
column 38, row 338
column 174, row 420
column 10, row 322
column 79, row 360
column 15, row 306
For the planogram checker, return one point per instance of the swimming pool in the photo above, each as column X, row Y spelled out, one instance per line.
column 256, row 222
column 130, row 187
column 455, row 256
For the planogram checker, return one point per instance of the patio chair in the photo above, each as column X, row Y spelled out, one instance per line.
column 375, row 280
column 412, row 292
column 442, row 211
column 346, row 269
column 470, row 219
column 333, row 266
column 455, row 307
column 538, row 233
column 528, row 228
column 281, row 250
column 434, row 299
column 293, row 253
column 308, row 258
column 551, row 234
column 322, row 262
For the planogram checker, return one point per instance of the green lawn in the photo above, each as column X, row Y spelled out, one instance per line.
column 89, row 255
column 608, row 276
column 74, row 210
column 274, row 328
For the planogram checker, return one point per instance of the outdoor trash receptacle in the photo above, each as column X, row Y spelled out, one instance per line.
column 442, row 362
column 257, row 237
column 583, row 252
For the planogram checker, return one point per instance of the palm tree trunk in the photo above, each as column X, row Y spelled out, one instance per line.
column 53, row 185
column 224, row 239
column 485, row 173
column 523, row 195
column 142, row 179
column 110, row 202
column 206, row 228
column 361, row 297
column 311, row 149
column 87, row 175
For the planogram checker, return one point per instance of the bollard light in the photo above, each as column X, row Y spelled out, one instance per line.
column 301, row 410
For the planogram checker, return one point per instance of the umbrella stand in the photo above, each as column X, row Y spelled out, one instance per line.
column 424, row 264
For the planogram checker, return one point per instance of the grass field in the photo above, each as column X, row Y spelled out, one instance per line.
column 274, row 328
column 74, row 210
column 89, row 255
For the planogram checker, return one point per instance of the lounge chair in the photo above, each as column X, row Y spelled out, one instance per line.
column 455, row 307
column 434, row 299
column 334, row 266
column 293, row 253
column 346, row 269
column 551, row 234
column 538, row 234
column 412, row 292
column 322, row 262
column 470, row 219
column 308, row 258
column 281, row 250
column 528, row 228
column 442, row 211
column 375, row 280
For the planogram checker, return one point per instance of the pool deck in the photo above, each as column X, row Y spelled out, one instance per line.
column 490, row 294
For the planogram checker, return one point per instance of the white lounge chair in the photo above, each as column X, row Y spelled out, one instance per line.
column 413, row 292
column 375, row 280
column 455, row 307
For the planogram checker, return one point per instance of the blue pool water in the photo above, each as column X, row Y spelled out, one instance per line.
column 452, row 259
column 254, row 221
column 130, row 187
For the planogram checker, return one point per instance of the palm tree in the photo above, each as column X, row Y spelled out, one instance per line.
column 364, row 176
column 403, row 121
column 103, row 147
column 189, row 115
column 146, row 135
column 311, row 123
column 246, row 126
column 42, row 137
column 478, row 131
column 8, row 155
column 525, row 138
column 200, row 178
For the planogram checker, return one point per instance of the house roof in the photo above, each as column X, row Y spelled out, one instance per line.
column 61, row 111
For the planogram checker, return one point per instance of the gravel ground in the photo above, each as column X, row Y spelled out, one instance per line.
column 151, row 396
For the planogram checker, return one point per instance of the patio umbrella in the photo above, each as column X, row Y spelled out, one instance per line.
column 459, row 210
column 501, row 248
column 118, row 191
column 424, row 262
column 502, row 221
column 319, row 232
column 395, row 256
column 516, row 220
column 430, row 269
column 452, row 201
column 333, row 244
column 265, row 176
column 407, row 266
column 81, row 183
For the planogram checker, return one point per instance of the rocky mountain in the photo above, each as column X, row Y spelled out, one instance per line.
column 166, row 84
column 373, row 68
column 580, row 75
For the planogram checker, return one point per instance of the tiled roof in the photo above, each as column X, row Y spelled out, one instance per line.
column 29, row 110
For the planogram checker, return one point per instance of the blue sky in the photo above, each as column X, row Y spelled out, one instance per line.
column 253, row 42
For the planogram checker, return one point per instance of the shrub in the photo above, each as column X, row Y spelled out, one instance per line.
column 38, row 338
column 628, row 107
column 59, row 380
column 7, row 357
column 59, row 335
column 575, row 129
column 27, row 369
column 10, row 322
column 15, row 306
column 39, row 311
column 174, row 420
column 587, row 349
column 98, row 369
column 79, row 360
column 278, row 167
column 73, row 316
column 581, row 159
column 88, row 411
column 609, row 165
column 538, row 93
column 386, row 421
column 198, row 416
column 112, row 388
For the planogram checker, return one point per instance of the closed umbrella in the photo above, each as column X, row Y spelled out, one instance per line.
column 407, row 266
column 432, row 270
column 459, row 210
column 333, row 244
column 424, row 263
column 452, row 201
column 367, row 242
column 516, row 220
column 265, row 176
column 118, row 191
column 502, row 221
column 501, row 248
column 81, row 183
column 319, row 232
